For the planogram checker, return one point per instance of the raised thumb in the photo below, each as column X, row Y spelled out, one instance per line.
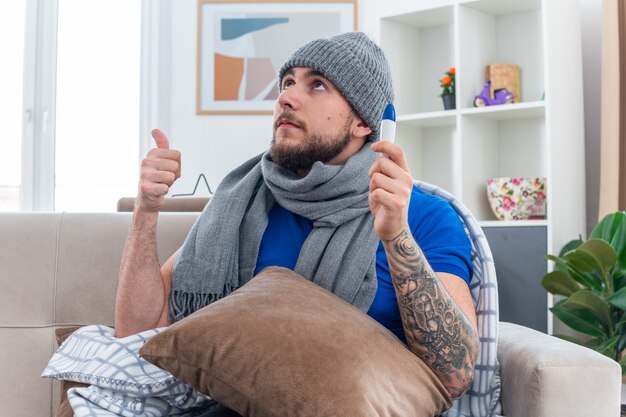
column 160, row 139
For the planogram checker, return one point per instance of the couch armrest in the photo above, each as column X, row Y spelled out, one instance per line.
column 545, row 376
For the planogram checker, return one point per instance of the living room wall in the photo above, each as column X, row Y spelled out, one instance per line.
column 591, row 24
column 213, row 145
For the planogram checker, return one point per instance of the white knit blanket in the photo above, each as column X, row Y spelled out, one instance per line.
column 122, row 383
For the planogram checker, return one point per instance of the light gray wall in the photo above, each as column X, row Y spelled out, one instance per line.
column 591, row 28
column 213, row 145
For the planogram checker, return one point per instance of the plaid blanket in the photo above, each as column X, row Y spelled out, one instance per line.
column 122, row 383
column 483, row 397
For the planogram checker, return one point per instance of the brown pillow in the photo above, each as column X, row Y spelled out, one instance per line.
column 65, row 409
column 283, row 346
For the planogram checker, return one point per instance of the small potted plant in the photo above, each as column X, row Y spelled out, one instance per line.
column 448, row 93
column 591, row 278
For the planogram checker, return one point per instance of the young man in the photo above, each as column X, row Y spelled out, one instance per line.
column 322, row 185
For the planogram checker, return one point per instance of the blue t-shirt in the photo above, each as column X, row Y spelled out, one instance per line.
column 435, row 226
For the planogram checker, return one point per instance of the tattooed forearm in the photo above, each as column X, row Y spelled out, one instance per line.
column 436, row 329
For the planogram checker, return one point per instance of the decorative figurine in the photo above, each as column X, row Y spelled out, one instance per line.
column 501, row 96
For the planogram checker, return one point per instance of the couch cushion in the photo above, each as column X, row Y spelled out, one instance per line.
column 28, row 260
column 86, row 286
column 59, row 269
column 84, row 240
column 283, row 346
column 24, row 353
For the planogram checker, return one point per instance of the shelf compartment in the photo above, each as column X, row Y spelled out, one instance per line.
column 420, row 49
column 499, row 148
column 518, row 254
column 515, row 111
column 428, row 152
column 513, row 223
column 431, row 119
column 523, row 139
column 505, row 32
column 504, row 7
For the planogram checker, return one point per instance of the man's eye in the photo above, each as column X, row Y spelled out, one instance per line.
column 318, row 85
column 287, row 84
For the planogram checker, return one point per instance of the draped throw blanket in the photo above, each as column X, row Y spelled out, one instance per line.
column 483, row 397
column 220, row 253
column 122, row 383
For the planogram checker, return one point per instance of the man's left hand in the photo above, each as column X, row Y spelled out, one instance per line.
column 390, row 190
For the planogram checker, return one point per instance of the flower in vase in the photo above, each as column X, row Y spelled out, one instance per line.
column 447, row 83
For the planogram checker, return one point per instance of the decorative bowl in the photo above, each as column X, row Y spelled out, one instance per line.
column 517, row 198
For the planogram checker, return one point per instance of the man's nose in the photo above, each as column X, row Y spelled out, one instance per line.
column 290, row 98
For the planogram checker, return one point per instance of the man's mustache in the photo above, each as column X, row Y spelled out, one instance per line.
column 290, row 117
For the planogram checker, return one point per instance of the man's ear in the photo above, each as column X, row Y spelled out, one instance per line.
column 360, row 128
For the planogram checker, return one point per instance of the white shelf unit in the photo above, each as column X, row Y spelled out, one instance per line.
column 513, row 223
column 542, row 135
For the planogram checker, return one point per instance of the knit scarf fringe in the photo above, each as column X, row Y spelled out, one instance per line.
column 182, row 302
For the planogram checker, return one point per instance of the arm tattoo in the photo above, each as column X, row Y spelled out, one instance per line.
column 437, row 331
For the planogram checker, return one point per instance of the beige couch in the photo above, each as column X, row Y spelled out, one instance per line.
column 59, row 269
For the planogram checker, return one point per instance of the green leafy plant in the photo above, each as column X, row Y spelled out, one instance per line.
column 591, row 275
column 447, row 83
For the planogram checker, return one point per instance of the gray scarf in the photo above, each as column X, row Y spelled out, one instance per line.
column 220, row 252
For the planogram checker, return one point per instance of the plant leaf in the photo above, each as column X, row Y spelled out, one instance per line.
column 590, row 301
column 601, row 252
column 571, row 245
column 619, row 283
column 621, row 345
column 559, row 282
column 560, row 264
column 612, row 229
column 608, row 348
column 612, row 226
column 618, row 299
column 622, row 362
column 581, row 260
column 586, row 279
column 580, row 320
column 595, row 256
column 559, row 261
column 556, row 259
column 593, row 343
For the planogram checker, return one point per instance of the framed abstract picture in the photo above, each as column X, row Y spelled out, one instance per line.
column 241, row 45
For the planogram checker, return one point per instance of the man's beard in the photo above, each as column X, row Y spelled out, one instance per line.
column 313, row 148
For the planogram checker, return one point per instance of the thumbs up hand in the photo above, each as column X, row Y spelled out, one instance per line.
column 160, row 139
column 159, row 169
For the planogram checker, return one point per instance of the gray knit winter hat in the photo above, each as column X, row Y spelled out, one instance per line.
column 356, row 66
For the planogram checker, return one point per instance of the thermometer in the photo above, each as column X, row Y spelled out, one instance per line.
column 388, row 124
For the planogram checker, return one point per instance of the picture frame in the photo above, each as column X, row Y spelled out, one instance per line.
column 241, row 45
